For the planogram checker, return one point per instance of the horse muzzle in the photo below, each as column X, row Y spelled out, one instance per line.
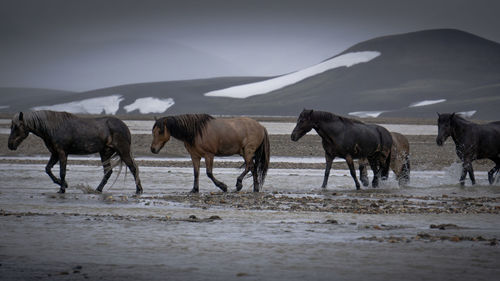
column 155, row 150
column 12, row 146
column 439, row 142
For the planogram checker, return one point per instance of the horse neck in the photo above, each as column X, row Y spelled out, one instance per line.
column 327, row 128
column 35, row 127
column 40, row 126
column 458, row 129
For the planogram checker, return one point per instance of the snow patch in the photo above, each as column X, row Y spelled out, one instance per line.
column 267, row 86
column 426, row 102
column 467, row 114
column 150, row 105
column 365, row 114
column 108, row 105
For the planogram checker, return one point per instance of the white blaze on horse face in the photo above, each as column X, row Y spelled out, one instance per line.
column 159, row 140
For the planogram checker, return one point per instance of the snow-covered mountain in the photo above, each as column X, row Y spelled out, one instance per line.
column 405, row 75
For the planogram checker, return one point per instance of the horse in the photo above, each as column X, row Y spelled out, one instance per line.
column 472, row 142
column 64, row 133
column 347, row 138
column 400, row 161
column 206, row 136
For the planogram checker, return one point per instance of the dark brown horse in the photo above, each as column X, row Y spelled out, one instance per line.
column 65, row 133
column 400, row 161
column 349, row 139
column 472, row 141
column 205, row 136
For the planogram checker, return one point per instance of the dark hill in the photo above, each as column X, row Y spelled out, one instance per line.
column 428, row 65
column 436, row 64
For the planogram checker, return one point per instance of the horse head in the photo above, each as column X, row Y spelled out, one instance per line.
column 444, row 127
column 18, row 131
column 161, row 135
column 304, row 124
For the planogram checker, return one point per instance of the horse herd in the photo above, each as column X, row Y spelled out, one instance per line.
column 205, row 137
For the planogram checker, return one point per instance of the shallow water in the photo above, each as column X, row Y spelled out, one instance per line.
column 115, row 235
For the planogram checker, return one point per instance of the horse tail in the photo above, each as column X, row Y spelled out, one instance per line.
column 262, row 156
column 118, row 129
column 385, row 167
column 114, row 161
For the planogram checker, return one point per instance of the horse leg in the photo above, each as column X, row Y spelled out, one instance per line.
column 105, row 160
column 196, row 171
column 363, row 173
column 471, row 174
column 350, row 163
column 209, row 162
column 63, row 159
column 376, row 172
column 385, row 165
column 248, row 166
column 404, row 177
column 491, row 173
column 465, row 169
column 329, row 159
column 48, row 169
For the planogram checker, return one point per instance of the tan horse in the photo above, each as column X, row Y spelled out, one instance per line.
column 400, row 161
column 205, row 136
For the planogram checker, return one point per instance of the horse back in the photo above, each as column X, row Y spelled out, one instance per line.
column 488, row 139
column 356, row 139
column 118, row 128
column 224, row 137
column 88, row 135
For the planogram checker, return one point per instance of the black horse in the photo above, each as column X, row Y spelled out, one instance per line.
column 472, row 142
column 65, row 133
column 349, row 139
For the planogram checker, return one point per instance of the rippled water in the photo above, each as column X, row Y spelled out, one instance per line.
column 115, row 235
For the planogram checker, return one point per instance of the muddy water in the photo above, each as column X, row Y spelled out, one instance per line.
column 287, row 232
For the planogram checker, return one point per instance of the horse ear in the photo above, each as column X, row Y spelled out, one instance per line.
column 439, row 115
column 452, row 115
column 21, row 117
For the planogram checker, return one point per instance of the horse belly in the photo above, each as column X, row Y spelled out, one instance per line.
column 83, row 147
column 228, row 148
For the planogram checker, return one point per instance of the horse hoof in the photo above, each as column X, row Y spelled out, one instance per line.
column 61, row 191
column 194, row 191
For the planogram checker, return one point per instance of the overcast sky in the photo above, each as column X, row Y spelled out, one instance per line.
column 87, row 44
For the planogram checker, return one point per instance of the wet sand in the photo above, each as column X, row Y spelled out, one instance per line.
column 292, row 230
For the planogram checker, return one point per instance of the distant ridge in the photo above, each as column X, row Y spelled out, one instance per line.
column 456, row 68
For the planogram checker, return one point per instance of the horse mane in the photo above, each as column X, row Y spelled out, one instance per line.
column 328, row 116
column 185, row 127
column 45, row 121
column 459, row 117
